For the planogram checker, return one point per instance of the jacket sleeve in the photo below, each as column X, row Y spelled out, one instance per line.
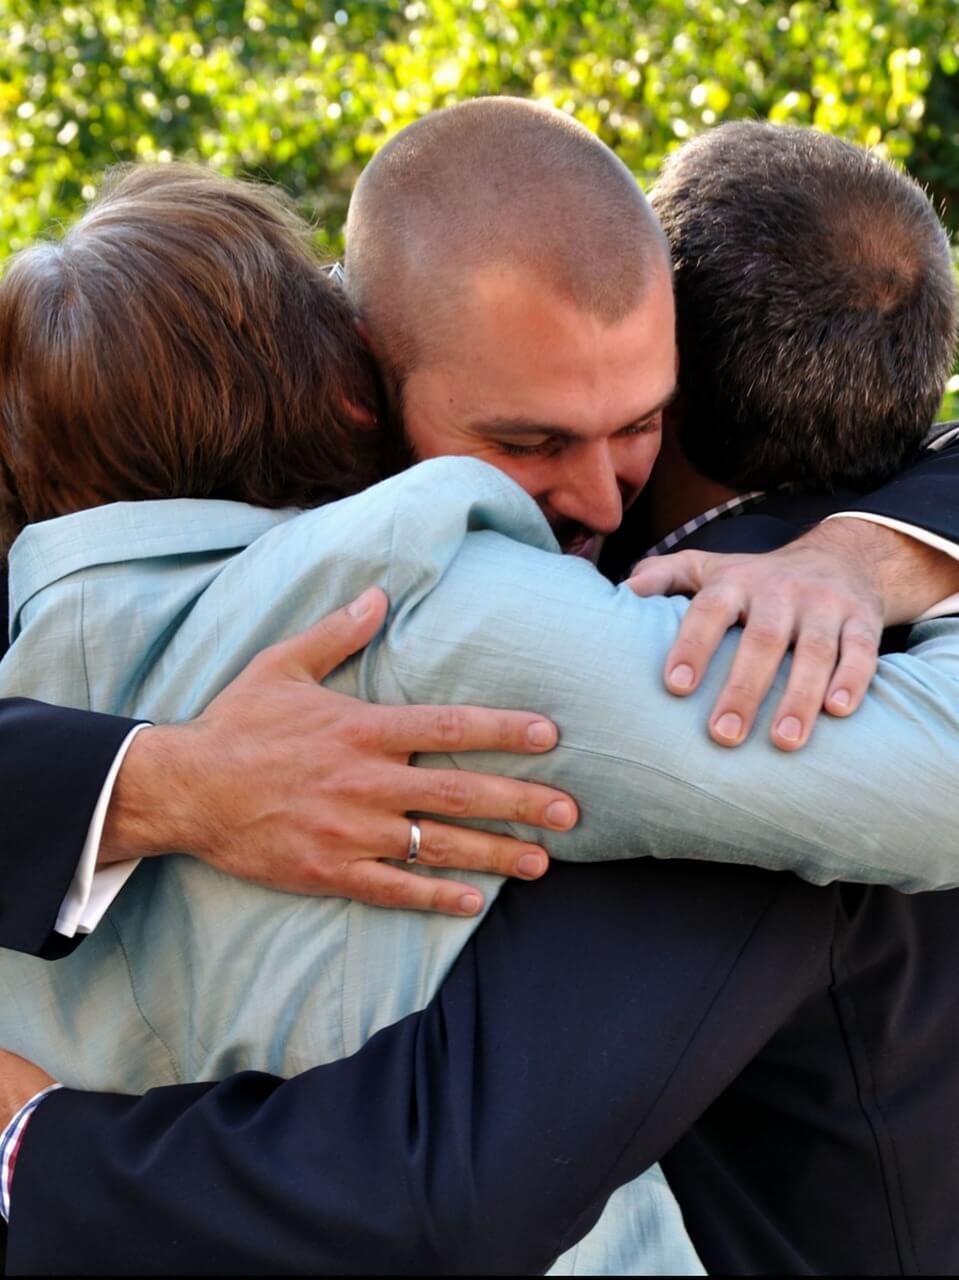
column 925, row 494
column 53, row 764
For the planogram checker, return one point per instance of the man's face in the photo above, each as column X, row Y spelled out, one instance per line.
column 567, row 406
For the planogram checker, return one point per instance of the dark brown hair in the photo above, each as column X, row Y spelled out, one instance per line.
column 182, row 340
column 816, row 307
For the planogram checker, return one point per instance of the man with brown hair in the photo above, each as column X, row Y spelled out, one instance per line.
column 534, row 446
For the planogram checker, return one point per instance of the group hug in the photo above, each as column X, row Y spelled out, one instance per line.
column 479, row 724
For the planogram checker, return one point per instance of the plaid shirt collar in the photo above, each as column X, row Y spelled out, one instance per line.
column 731, row 507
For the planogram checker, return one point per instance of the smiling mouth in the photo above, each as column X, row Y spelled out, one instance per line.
column 574, row 539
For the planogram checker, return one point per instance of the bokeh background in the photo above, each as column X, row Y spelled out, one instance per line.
column 304, row 91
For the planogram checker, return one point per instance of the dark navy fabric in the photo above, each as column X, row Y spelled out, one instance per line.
column 588, row 1022
column 53, row 763
column 802, row 1039
column 854, row 1103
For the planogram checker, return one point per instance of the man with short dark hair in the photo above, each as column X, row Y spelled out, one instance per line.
column 591, row 441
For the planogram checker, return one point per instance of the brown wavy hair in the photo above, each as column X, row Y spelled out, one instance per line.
column 181, row 340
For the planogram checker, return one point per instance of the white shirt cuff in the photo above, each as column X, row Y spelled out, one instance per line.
column 942, row 608
column 92, row 891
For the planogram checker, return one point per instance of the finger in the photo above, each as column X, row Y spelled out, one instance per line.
column 858, row 658
column 381, row 885
column 404, row 731
column 463, row 849
column 765, row 639
column 320, row 649
column 813, row 666
column 457, row 793
column 710, row 615
column 676, row 574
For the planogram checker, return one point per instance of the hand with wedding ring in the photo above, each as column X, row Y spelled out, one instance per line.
column 290, row 785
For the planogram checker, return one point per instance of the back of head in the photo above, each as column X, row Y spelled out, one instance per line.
column 816, row 307
column 492, row 183
column 181, row 340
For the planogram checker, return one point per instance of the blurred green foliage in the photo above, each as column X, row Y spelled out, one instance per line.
column 304, row 91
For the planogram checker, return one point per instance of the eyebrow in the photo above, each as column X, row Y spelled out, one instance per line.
column 531, row 426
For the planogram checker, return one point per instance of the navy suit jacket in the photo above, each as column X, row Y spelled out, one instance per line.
column 55, row 754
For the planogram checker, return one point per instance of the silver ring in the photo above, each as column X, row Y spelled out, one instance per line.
column 416, row 837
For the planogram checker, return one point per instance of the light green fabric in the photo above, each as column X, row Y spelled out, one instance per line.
column 150, row 609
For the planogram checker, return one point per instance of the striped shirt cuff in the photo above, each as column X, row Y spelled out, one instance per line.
column 10, row 1141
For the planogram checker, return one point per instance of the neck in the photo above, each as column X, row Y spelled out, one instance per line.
column 676, row 492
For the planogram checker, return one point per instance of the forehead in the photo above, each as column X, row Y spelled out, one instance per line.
column 512, row 351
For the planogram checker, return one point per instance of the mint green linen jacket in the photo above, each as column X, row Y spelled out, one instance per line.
column 149, row 609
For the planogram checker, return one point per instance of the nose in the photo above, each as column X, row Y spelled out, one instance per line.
column 589, row 492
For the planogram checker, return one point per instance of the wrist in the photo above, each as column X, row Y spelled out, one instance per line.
column 862, row 547
column 153, row 808
column 908, row 575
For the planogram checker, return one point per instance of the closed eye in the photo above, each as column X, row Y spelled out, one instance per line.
column 645, row 426
column 544, row 449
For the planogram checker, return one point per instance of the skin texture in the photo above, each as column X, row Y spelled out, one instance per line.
column 569, row 407
column 827, row 596
column 293, row 786
column 573, row 410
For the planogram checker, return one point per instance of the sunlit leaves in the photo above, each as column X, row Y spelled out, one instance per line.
column 304, row 91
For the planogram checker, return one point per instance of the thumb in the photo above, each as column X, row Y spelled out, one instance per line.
column 677, row 574
column 320, row 649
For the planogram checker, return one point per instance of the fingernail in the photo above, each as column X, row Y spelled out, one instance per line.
column 560, row 813
column 361, row 605
column 541, row 734
column 531, row 865
column 729, row 726
column 682, row 677
column 790, row 728
column 841, row 698
column 470, row 903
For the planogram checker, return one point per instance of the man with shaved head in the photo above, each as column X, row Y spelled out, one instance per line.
column 516, row 288
column 558, row 372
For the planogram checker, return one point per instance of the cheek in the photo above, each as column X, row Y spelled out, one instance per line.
column 636, row 460
column 532, row 474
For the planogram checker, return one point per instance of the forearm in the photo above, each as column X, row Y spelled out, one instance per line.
column 911, row 575
column 156, row 804
column 864, row 801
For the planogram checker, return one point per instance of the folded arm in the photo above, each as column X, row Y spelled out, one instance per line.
column 505, row 622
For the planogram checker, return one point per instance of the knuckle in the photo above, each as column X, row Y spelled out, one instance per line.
column 452, row 794
column 505, row 731
column 742, row 687
column 712, row 603
column 800, row 696
column 767, row 634
column 820, row 645
column 362, row 730
column 449, row 726
column 392, row 893
column 437, row 847
column 863, row 641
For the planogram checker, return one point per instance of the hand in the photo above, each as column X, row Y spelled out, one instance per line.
column 20, row 1081
column 293, row 786
column 822, row 596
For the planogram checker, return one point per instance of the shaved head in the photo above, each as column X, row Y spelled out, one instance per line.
column 491, row 186
column 516, row 288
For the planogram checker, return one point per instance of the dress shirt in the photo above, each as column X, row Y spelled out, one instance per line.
column 93, row 889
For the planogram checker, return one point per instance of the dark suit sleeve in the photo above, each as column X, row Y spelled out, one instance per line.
column 53, row 764
column 586, row 1024
column 925, row 494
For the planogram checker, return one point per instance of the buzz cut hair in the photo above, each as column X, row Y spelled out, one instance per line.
column 492, row 183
